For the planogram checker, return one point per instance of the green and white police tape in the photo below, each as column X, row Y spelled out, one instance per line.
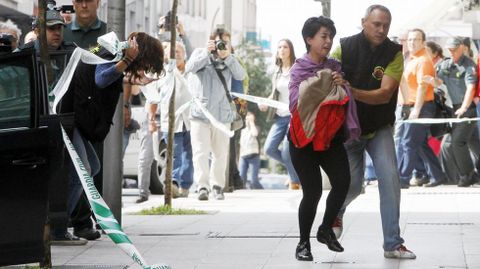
column 102, row 212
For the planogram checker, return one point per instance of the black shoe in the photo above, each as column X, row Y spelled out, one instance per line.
column 433, row 184
column 141, row 199
column 88, row 233
column 327, row 237
column 67, row 240
column 464, row 182
column 302, row 253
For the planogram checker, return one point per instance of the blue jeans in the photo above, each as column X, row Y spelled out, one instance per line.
column 420, row 170
column 414, row 144
column 251, row 161
column 182, row 159
column 277, row 135
column 369, row 169
column 382, row 151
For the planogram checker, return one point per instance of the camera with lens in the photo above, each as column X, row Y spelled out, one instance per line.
column 220, row 45
column 6, row 41
column 168, row 22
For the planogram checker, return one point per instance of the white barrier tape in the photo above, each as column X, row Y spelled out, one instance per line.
column 262, row 101
column 102, row 211
column 67, row 75
column 220, row 126
column 438, row 121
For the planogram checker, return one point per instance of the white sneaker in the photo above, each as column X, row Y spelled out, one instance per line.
column 337, row 227
column 400, row 253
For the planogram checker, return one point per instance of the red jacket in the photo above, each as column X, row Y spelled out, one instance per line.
column 320, row 112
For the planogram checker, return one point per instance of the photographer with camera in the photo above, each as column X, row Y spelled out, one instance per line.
column 9, row 36
column 164, row 32
column 212, row 71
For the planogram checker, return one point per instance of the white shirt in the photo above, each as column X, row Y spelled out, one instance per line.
column 282, row 81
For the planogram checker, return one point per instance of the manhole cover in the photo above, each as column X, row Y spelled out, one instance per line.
column 91, row 266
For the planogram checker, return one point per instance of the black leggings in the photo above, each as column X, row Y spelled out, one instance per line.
column 307, row 162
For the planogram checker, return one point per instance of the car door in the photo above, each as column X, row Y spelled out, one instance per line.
column 24, row 160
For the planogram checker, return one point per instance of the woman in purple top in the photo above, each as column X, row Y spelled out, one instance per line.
column 318, row 33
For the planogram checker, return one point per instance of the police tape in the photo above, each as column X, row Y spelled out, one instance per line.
column 438, row 120
column 102, row 212
column 262, row 101
column 220, row 126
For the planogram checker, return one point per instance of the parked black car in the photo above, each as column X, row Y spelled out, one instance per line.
column 33, row 161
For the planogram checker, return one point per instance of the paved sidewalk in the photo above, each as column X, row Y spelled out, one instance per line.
column 258, row 229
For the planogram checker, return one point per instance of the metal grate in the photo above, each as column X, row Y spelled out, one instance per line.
column 443, row 193
column 165, row 234
column 442, row 223
column 91, row 266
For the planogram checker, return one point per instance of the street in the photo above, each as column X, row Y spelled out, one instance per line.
column 258, row 229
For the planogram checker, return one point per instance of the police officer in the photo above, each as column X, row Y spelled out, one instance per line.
column 54, row 33
column 459, row 74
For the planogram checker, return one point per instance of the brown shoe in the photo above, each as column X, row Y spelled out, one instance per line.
column 294, row 186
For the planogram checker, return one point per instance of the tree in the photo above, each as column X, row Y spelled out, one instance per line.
column 259, row 82
column 171, row 109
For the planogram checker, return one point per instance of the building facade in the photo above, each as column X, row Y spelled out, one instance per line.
column 199, row 17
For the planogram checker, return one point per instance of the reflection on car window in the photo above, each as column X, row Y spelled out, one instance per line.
column 14, row 96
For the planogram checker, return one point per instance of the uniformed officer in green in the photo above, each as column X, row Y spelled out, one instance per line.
column 86, row 27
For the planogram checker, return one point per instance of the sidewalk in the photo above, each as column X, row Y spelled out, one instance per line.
column 258, row 229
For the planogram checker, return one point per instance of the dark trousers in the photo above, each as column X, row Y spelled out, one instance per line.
column 307, row 162
column 235, row 182
column 455, row 154
column 81, row 217
column 413, row 140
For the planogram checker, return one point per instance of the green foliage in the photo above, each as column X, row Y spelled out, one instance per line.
column 259, row 82
column 168, row 210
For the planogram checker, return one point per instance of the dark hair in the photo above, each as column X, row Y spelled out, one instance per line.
column 150, row 56
column 435, row 48
column 312, row 26
column 278, row 60
column 424, row 37
column 372, row 8
column 220, row 32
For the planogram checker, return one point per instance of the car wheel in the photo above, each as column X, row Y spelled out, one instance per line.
column 157, row 175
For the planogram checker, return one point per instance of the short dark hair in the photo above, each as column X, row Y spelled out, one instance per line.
column 312, row 26
column 220, row 32
column 372, row 8
column 424, row 36
column 435, row 48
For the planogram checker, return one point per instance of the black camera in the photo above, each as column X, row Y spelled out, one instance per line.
column 168, row 22
column 67, row 9
column 6, row 41
column 220, row 45
column 52, row 5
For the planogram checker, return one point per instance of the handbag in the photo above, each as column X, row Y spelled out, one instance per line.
column 237, row 123
column 442, row 111
column 271, row 111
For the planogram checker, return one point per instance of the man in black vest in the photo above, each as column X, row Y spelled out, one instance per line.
column 84, row 30
column 373, row 66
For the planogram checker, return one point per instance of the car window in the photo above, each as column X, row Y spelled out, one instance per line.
column 15, row 93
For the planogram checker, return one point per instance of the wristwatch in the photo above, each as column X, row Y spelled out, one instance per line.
column 126, row 104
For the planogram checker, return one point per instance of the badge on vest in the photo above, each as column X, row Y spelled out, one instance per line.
column 378, row 72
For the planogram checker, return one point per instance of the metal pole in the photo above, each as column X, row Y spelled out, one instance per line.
column 227, row 15
column 112, row 157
